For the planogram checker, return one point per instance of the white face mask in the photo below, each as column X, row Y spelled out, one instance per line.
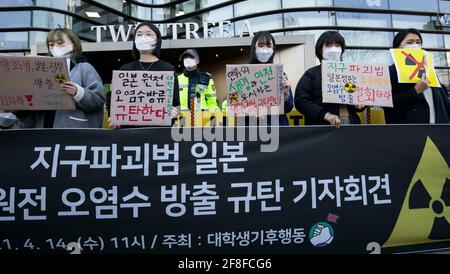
column 145, row 43
column 65, row 51
column 263, row 54
column 189, row 63
column 412, row 46
column 332, row 53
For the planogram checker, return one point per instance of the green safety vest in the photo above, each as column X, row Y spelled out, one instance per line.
column 207, row 94
column 224, row 105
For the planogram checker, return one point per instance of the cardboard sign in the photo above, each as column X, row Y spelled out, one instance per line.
column 413, row 64
column 34, row 83
column 142, row 97
column 356, row 83
column 255, row 89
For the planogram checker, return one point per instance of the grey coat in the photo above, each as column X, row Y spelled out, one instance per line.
column 89, row 111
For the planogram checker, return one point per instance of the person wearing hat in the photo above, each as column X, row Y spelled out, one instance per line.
column 415, row 103
column 196, row 84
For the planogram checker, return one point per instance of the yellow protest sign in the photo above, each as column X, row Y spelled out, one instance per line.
column 413, row 64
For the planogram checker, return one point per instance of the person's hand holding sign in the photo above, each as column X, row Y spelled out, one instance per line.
column 334, row 120
column 422, row 85
column 112, row 125
column 71, row 88
column 424, row 82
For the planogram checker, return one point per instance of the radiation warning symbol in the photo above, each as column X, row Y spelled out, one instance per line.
column 350, row 87
column 60, row 78
column 420, row 66
column 233, row 97
column 425, row 214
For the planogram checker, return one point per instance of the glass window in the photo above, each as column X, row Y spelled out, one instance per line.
column 357, row 19
column 444, row 75
column 367, row 38
column 306, row 3
column 173, row 11
column 255, row 6
column 316, row 33
column 209, row 3
column 45, row 19
column 444, row 6
column 447, row 46
column 15, row 19
column 365, row 4
column 411, row 21
column 12, row 3
column 217, row 15
column 13, row 40
column 417, row 5
column 432, row 40
column 162, row 13
column 367, row 56
column 115, row 4
column 142, row 12
column 439, row 59
column 310, row 18
column 38, row 38
column 52, row 4
column 261, row 23
column 159, row 1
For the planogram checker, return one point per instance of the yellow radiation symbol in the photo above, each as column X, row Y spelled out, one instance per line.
column 233, row 97
column 425, row 214
column 60, row 78
column 350, row 87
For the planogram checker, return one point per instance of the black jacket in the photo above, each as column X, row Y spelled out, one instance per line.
column 412, row 108
column 308, row 99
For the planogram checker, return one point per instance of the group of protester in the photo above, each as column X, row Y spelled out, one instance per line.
column 412, row 103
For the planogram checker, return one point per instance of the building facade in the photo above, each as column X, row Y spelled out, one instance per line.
column 367, row 25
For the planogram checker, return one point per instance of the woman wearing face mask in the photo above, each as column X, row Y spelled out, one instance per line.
column 308, row 94
column 262, row 51
column 85, row 86
column 415, row 103
column 146, row 51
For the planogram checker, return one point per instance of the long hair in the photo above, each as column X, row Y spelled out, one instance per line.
column 157, row 50
column 265, row 37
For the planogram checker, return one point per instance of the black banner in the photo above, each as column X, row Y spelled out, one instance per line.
column 357, row 189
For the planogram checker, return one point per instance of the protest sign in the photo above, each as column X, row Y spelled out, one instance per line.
column 34, row 83
column 413, row 64
column 356, row 83
column 142, row 97
column 255, row 89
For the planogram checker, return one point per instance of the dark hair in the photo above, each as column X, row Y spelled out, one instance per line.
column 58, row 33
column 264, row 36
column 328, row 38
column 401, row 35
column 157, row 50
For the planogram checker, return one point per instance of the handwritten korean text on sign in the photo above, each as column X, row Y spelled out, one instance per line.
column 142, row 97
column 33, row 83
column 356, row 83
column 254, row 88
